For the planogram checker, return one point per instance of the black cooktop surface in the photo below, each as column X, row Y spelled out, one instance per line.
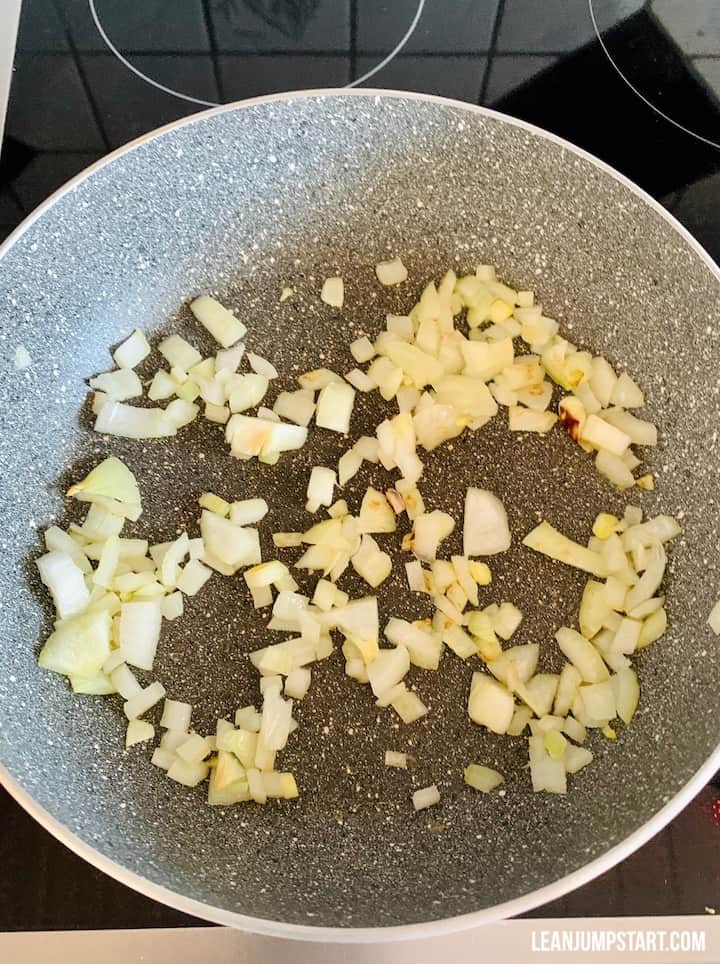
column 637, row 84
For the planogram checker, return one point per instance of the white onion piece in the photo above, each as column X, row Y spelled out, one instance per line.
column 650, row 579
column 248, row 511
column 66, row 583
column 626, row 392
column 714, row 618
column 362, row 349
column 394, row 759
column 181, row 412
column 426, row 797
column 188, row 774
column 320, row 488
column 546, row 773
column 506, row 620
column 144, row 700
column 614, row 469
column 116, row 418
column 424, row 647
column 371, row 563
column 582, row 654
column 297, row 407
column 172, row 606
column 179, row 353
column 176, row 715
column 132, row 351
column 485, row 527
column 297, row 683
column 234, row 545
column 387, row 669
column 376, row 514
column 526, row 420
column 359, row 380
column 140, row 632
column 602, row 380
column 547, row 540
column 118, row 385
column 334, row 407
column 222, row 324
column 228, row 359
column 246, row 391
column 409, row 707
column 482, row 778
column 138, row 731
column 333, row 292
column 601, row 435
column 391, row 272
column 637, row 430
column 490, row 703
column 429, row 531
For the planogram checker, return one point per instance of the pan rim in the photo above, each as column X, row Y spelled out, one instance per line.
column 407, row 932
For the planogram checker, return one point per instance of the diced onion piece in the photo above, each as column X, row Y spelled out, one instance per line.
column 526, row 420
column 423, row 645
column 576, row 757
column 144, row 700
column 172, row 606
column 216, row 413
column 66, row 582
column 395, row 759
column 482, row 778
column 334, row 407
column 116, row 418
column 391, row 272
column 714, row 618
column 376, row 514
column 176, row 715
column 359, row 380
column 138, row 731
column 193, row 577
column 222, row 324
column 582, row 654
column 567, row 689
column 601, row 435
column 194, row 749
column 234, row 545
column 546, row 773
column 247, row 391
column 111, row 480
column 162, row 386
column 362, row 349
column 228, row 359
column 297, row 683
column 458, row 640
column 626, row 636
column 118, row 385
column 490, row 703
column 598, row 700
column 485, row 528
column 188, row 774
column 409, row 707
column 626, row 392
column 427, row 797
column 179, row 353
column 132, row 351
column 520, row 720
column 140, row 632
column 626, row 691
column 181, row 412
column 547, row 540
column 637, row 430
column 371, row 563
column 79, row 645
column 387, row 669
column 297, row 407
column 429, row 531
column 320, row 488
column 333, row 292
column 248, row 511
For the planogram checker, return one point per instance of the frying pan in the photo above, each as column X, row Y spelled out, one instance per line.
column 287, row 191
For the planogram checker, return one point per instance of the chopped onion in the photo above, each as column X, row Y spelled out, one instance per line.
column 395, row 759
column 176, row 715
column 424, row 646
column 526, row 420
column 626, row 393
column 490, row 704
column 429, row 531
column 387, row 669
column 194, row 749
column 222, row 324
column 485, row 528
column 391, row 272
column 506, row 620
column 371, row 563
column 297, row 683
column 409, row 707
column 637, row 430
column 132, row 351
column 601, row 435
column 118, row 385
column 333, row 292
column 546, row 773
column 547, row 540
column 116, row 418
column 582, row 654
column 248, row 511
column 334, row 407
column 179, row 353
column 427, row 797
column 66, row 582
column 376, row 514
column 713, row 618
column 140, row 632
column 138, row 731
column 320, row 488
column 144, row 700
column 246, row 391
column 362, row 349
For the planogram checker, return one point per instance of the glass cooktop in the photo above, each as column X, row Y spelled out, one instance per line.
column 637, row 84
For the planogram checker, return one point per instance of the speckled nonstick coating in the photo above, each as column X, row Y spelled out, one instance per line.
column 288, row 192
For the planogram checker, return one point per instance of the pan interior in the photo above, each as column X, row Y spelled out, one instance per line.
column 241, row 204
